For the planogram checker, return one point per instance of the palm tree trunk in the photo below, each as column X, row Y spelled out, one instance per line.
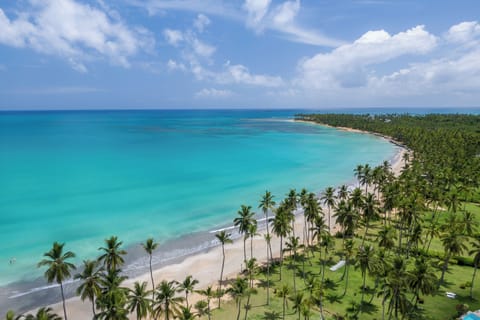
column 284, row 303
column 238, row 306
column 244, row 249
column 444, row 268
column 366, row 230
column 268, row 275
column 473, row 280
column 221, row 274
column 151, row 277
column 93, row 307
column 294, row 275
column 251, row 246
column 63, row 301
column 346, row 277
column 329, row 225
column 363, row 286
column 281, row 256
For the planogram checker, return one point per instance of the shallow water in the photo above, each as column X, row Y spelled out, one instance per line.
column 79, row 177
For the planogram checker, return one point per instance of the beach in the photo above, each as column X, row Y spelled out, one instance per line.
column 205, row 265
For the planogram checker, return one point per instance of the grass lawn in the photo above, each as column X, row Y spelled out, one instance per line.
column 335, row 303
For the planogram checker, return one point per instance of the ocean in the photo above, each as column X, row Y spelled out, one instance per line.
column 81, row 176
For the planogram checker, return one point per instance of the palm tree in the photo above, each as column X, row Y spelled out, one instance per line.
column 365, row 260
column 149, row 246
column 11, row 316
column 113, row 299
column 209, row 294
column 167, row 302
column 58, row 267
column 328, row 198
column 90, row 286
column 422, row 279
column 252, row 232
column 395, row 288
column 202, row 308
column 281, row 228
column 186, row 314
column 370, row 212
column 358, row 173
column 112, row 257
column 138, row 300
column 43, row 314
column 348, row 248
column 386, row 238
column 475, row 251
column 267, row 204
column 453, row 244
column 283, row 293
column 342, row 192
column 187, row 286
column 224, row 238
column 298, row 301
column 293, row 245
column 243, row 223
column 238, row 290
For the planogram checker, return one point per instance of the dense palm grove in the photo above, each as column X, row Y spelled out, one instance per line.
column 400, row 240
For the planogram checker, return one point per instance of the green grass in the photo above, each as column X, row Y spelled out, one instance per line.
column 434, row 307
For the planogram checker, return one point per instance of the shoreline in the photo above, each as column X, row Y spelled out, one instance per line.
column 204, row 264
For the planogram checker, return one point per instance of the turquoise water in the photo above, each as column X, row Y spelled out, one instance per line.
column 471, row 316
column 79, row 177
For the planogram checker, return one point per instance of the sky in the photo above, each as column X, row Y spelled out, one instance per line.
column 196, row 54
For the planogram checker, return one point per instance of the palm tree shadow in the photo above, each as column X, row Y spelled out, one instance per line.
column 368, row 308
column 334, row 298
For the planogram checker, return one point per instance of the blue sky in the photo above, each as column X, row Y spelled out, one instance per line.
column 70, row 54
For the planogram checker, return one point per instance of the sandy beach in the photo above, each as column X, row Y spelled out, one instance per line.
column 205, row 266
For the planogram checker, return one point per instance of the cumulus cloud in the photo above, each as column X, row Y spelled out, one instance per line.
column 173, row 37
column 174, row 65
column 77, row 32
column 465, row 32
column 346, row 66
column 201, row 22
column 213, row 93
column 256, row 11
column 201, row 48
column 241, row 75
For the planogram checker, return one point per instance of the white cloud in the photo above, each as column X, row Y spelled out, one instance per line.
column 201, row 22
column 174, row 65
column 173, row 37
column 77, row 32
column 241, row 75
column 213, row 93
column 465, row 32
column 256, row 10
column 346, row 66
column 201, row 48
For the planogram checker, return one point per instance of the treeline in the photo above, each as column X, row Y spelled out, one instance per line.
column 445, row 147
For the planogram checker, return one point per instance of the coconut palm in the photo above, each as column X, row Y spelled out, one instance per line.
column 11, row 316
column 292, row 245
column 328, row 198
column 252, row 232
column 202, row 308
column 475, row 251
column 283, row 293
column 370, row 212
column 224, row 238
column 281, row 228
column 209, row 294
column 297, row 302
column 358, row 173
column 112, row 254
column 186, row 314
column 395, row 288
column 187, row 286
column 243, row 223
column 167, row 303
column 453, row 244
column 422, row 279
column 267, row 204
column 238, row 291
column 342, row 192
column 149, row 246
column 365, row 260
column 113, row 298
column 43, row 314
column 138, row 301
column 348, row 249
column 58, row 267
column 386, row 238
column 90, row 282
